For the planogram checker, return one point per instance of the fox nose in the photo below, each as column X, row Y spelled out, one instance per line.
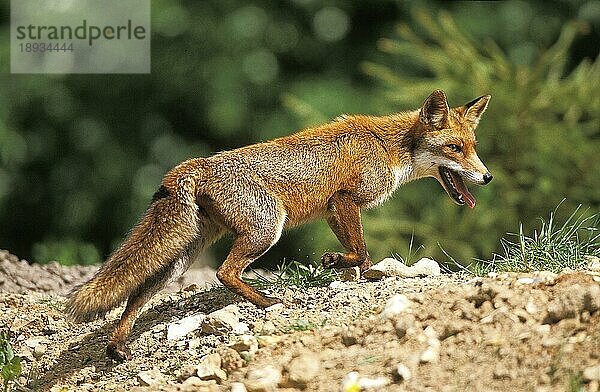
column 487, row 177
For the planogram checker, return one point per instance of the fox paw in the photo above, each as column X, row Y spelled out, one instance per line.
column 331, row 259
column 118, row 352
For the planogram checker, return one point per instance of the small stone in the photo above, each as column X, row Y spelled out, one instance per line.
column 33, row 342
column 350, row 382
column 402, row 372
column 245, row 343
column 301, row 370
column 426, row 267
column 525, row 280
column 209, row 368
column 186, row 372
column 397, row 304
column 194, row 343
column 550, row 341
column 531, row 307
column 238, row 387
column 546, row 277
column 376, row 383
column 39, row 350
column 353, row 382
column 337, row 285
column 268, row 328
column 222, row 321
column 348, row 274
column 543, row 329
column 263, row 379
column 181, row 328
column 431, row 354
column 230, row 359
column 268, row 340
column 393, row 267
column 592, row 263
column 150, row 377
column 241, row 329
column 591, row 373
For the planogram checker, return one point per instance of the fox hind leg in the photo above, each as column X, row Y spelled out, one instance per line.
column 248, row 247
column 346, row 224
column 117, row 348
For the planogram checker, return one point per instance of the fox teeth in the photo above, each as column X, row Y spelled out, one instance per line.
column 450, row 181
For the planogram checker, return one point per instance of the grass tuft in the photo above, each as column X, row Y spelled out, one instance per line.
column 552, row 247
column 294, row 273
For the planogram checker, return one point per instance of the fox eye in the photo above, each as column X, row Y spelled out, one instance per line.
column 455, row 147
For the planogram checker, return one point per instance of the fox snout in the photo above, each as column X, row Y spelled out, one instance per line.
column 487, row 177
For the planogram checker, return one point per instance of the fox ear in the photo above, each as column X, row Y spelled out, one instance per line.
column 435, row 109
column 475, row 108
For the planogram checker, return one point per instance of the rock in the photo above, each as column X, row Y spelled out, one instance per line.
column 241, row 329
column 150, row 377
column 245, row 343
column 230, row 359
column 426, row 267
column 393, row 267
column 531, row 307
column 591, row 373
column 350, row 382
column 268, row 340
column 432, row 353
column 263, row 379
column 39, row 350
column 592, row 263
column 337, row 285
column 397, row 304
column 546, row 277
column 353, row 382
column 199, row 384
column 269, row 328
column 222, row 321
column 301, row 370
column 33, row 342
column 209, row 368
column 238, row 387
column 525, row 280
column 181, row 328
column 402, row 372
column 348, row 274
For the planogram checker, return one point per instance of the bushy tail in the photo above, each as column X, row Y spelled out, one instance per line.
column 169, row 225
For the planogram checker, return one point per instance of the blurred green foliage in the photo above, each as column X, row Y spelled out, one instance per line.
column 81, row 155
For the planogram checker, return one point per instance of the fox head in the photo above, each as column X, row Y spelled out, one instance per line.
column 444, row 145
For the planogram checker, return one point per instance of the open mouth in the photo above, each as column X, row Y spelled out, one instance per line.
column 455, row 187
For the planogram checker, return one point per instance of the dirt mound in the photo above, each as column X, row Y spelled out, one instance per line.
column 19, row 276
column 538, row 331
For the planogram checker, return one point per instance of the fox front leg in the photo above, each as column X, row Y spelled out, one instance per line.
column 345, row 223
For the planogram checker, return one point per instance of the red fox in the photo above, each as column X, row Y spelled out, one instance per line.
column 331, row 171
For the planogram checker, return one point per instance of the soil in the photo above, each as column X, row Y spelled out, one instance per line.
column 534, row 331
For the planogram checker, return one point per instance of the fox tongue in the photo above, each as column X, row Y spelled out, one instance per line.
column 464, row 191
